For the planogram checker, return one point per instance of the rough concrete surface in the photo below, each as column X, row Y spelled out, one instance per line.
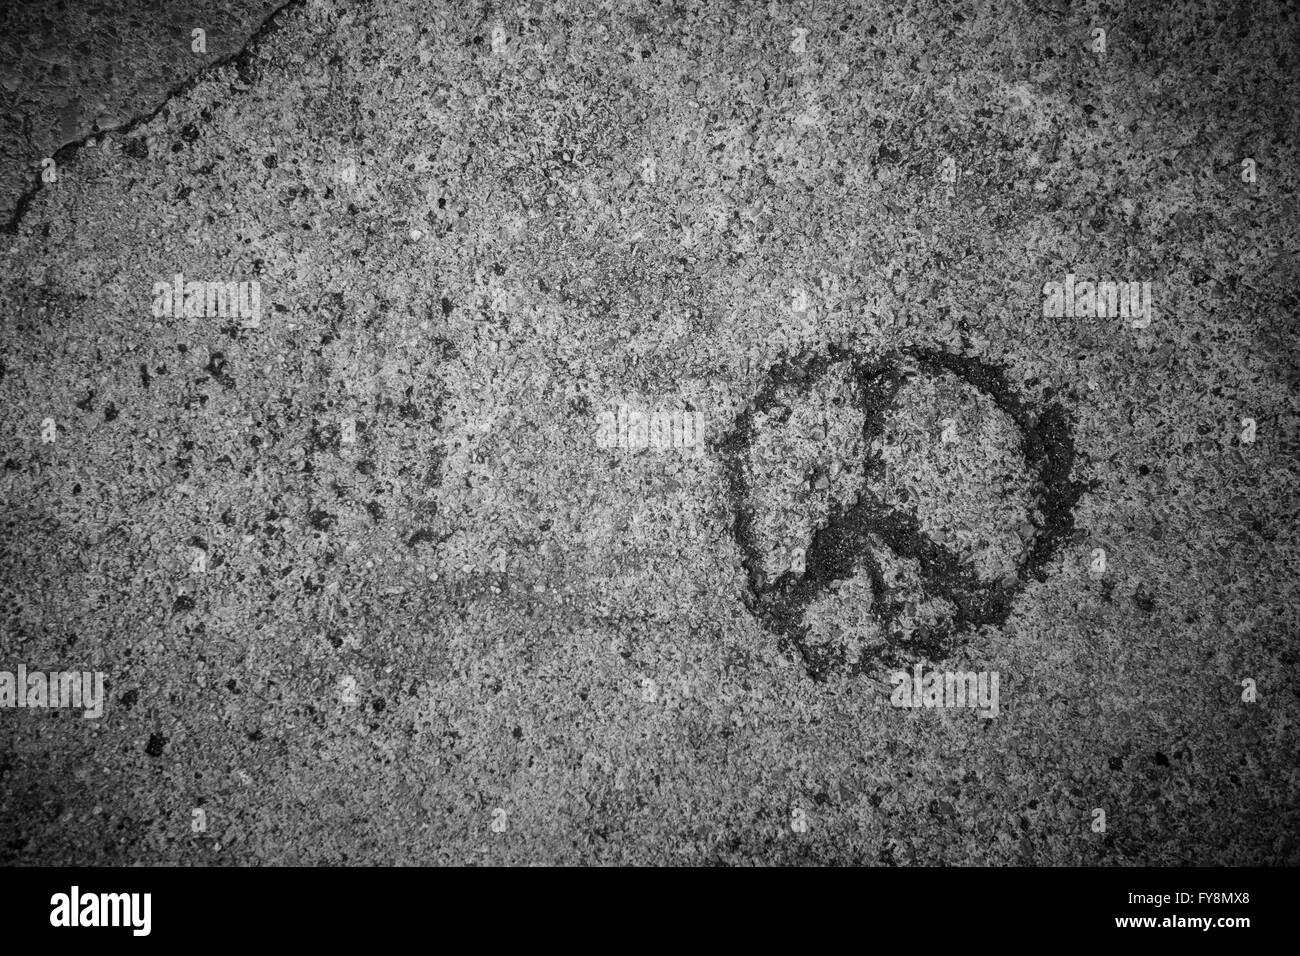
column 371, row 577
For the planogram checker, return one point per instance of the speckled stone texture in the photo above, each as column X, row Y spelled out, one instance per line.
column 440, row 623
column 69, row 69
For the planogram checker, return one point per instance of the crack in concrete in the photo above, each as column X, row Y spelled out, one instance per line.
column 64, row 155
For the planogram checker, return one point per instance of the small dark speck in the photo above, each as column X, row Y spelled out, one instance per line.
column 156, row 744
column 446, row 306
column 1161, row 759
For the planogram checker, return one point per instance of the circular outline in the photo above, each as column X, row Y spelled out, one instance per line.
column 839, row 543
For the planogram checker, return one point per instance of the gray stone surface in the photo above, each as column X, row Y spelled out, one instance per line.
column 473, row 608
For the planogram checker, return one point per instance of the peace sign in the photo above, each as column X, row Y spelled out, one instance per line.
column 863, row 537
